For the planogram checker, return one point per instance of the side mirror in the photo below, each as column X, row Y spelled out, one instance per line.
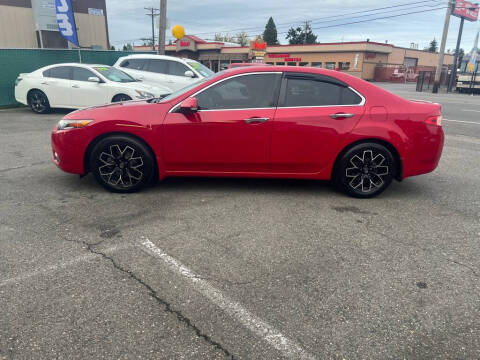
column 189, row 73
column 94, row 79
column 189, row 105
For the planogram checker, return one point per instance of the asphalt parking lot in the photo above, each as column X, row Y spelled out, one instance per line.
column 197, row 268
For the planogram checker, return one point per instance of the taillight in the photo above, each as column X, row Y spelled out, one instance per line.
column 434, row 120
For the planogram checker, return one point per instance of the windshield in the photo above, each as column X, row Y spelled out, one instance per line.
column 200, row 68
column 190, row 87
column 113, row 74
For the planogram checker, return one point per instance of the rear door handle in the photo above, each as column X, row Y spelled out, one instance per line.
column 254, row 120
column 75, row 86
column 341, row 116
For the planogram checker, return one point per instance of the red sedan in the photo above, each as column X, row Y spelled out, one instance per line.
column 268, row 121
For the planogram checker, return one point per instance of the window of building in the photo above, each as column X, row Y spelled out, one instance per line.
column 344, row 65
column 81, row 74
column 303, row 64
column 309, row 92
column 59, row 72
column 242, row 92
column 291, row 63
column 316, row 64
column 330, row 65
column 280, row 63
column 269, row 63
column 135, row 64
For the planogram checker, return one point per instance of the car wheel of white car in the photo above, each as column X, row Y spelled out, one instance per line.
column 120, row 98
column 38, row 102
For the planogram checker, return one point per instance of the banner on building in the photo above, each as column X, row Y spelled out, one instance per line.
column 66, row 20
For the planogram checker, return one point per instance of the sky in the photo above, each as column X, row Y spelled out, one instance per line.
column 128, row 21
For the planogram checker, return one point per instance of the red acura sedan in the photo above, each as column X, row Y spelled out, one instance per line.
column 266, row 121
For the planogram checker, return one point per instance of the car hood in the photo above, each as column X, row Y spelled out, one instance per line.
column 156, row 90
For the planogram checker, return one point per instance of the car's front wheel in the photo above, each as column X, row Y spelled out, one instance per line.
column 122, row 163
column 38, row 102
column 365, row 170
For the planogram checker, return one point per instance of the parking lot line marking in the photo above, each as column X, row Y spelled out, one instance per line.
column 262, row 329
column 471, row 110
column 461, row 121
column 62, row 265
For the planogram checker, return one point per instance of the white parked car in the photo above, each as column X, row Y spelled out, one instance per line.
column 172, row 72
column 76, row 85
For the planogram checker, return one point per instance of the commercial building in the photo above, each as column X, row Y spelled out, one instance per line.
column 365, row 59
column 33, row 23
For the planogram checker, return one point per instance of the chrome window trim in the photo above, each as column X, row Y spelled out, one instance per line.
column 222, row 80
column 361, row 103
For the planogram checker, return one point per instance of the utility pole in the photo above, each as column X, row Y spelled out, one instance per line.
column 162, row 27
column 307, row 24
column 441, row 54
column 153, row 13
column 455, row 57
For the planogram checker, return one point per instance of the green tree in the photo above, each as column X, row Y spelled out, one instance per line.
column 433, row 47
column 242, row 38
column 224, row 37
column 270, row 33
column 301, row 36
column 112, row 48
column 127, row 47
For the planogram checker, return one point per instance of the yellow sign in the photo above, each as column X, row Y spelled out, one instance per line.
column 178, row 31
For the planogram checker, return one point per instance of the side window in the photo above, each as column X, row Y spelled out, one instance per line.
column 176, row 68
column 60, row 72
column 134, row 64
column 309, row 92
column 157, row 66
column 81, row 74
column 241, row 92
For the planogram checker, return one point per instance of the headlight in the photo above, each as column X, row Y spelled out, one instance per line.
column 144, row 94
column 72, row 124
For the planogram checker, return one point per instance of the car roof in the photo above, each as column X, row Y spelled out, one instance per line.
column 154, row 56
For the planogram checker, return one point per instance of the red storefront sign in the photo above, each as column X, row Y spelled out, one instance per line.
column 278, row 55
column 466, row 10
column 184, row 43
column 259, row 46
column 293, row 59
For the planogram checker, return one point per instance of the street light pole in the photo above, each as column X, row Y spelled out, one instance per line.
column 162, row 27
column 441, row 54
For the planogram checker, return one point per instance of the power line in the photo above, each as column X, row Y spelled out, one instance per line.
column 153, row 12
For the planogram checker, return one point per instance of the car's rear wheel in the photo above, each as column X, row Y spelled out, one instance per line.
column 38, row 102
column 120, row 98
column 365, row 170
column 122, row 163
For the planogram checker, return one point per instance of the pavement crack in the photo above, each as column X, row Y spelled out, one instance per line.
column 168, row 307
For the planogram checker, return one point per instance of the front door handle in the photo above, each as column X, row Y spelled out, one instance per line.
column 341, row 116
column 75, row 86
column 254, row 120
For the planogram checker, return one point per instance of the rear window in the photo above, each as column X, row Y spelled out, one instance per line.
column 60, row 72
column 135, row 64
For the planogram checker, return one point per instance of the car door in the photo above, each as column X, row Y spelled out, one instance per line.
column 231, row 130
column 314, row 113
column 56, row 85
column 86, row 93
column 155, row 73
column 175, row 75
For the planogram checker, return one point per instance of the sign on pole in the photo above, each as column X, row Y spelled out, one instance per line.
column 466, row 10
column 66, row 21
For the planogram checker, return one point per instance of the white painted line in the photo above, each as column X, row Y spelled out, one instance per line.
column 461, row 121
column 471, row 110
column 62, row 265
column 262, row 329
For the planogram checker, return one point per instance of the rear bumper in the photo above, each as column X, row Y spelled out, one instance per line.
column 424, row 153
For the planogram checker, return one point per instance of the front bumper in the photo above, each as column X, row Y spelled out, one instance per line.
column 68, row 150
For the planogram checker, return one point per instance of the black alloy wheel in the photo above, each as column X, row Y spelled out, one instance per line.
column 365, row 170
column 120, row 98
column 122, row 163
column 38, row 102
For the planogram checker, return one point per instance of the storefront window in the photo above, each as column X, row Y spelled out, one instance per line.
column 280, row 63
column 330, row 65
column 344, row 65
column 317, row 64
column 291, row 63
column 303, row 64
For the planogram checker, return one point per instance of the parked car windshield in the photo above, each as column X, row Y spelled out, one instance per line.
column 190, row 87
column 202, row 69
column 114, row 74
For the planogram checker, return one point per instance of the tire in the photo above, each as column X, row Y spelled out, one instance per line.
column 122, row 163
column 365, row 170
column 38, row 102
column 120, row 98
